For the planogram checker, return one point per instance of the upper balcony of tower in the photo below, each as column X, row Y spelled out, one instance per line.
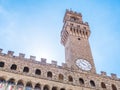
column 74, row 25
column 72, row 16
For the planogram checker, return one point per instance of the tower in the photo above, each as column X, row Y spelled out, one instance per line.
column 75, row 38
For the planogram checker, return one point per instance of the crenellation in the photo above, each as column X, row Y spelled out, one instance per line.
column 3, row 54
column 10, row 53
column 21, row 55
column 43, row 60
column 73, row 12
column 86, row 23
column 32, row 57
column 1, row 50
column 54, row 63
column 103, row 73
column 114, row 76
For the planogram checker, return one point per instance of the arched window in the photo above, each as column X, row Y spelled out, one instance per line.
column 20, row 85
column 13, row 67
column 49, row 74
column 92, row 83
column 26, row 69
column 2, row 80
column 114, row 87
column 11, row 81
column 103, row 85
column 37, row 87
column 73, row 19
column 1, row 64
column 61, row 77
column 62, row 89
column 54, row 88
column 28, row 86
column 11, row 84
column 70, row 78
column 38, row 72
column 81, row 81
column 46, row 87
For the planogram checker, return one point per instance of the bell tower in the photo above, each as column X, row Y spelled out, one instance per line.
column 74, row 37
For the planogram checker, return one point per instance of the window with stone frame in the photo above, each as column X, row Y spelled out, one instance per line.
column 70, row 79
column 26, row 69
column 49, row 74
column 38, row 72
column 92, row 83
column 2, row 64
column 13, row 67
column 113, row 87
column 81, row 81
column 60, row 77
column 103, row 85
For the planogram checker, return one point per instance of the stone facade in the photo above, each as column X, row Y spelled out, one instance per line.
column 22, row 73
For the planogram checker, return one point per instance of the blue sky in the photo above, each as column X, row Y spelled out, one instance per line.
column 33, row 27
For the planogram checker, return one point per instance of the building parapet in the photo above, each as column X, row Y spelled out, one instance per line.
column 43, row 60
column 21, row 55
column 32, row 57
column 114, row 76
column 53, row 63
column 72, row 12
column 103, row 73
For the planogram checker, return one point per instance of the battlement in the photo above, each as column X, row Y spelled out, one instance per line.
column 113, row 76
column 73, row 12
column 53, row 63
column 31, row 58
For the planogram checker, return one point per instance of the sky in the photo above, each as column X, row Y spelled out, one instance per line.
column 33, row 27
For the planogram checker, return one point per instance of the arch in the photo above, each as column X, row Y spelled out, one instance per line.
column 2, row 83
column 13, row 67
column 38, row 72
column 37, row 87
column 11, row 81
column 70, row 79
column 54, row 88
column 73, row 18
column 49, row 74
column 103, row 85
column 2, row 64
column 26, row 69
column 20, row 83
column 46, row 87
column 92, row 83
column 70, row 28
column 80, row 31
column 2, row 80
column 11, row 84
column 81, row 81
column 84, row 28
column 74, row 30
column 60, row 77
column 28, row 86
column 83, row 32
column 114, row 87
column 77, row 31
column 62, row 89
column 86, row 33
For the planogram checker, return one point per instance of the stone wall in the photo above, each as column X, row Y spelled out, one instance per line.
column 52, row 75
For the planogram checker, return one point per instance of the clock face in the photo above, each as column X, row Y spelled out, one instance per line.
column 83, row 64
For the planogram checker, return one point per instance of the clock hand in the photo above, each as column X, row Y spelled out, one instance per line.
column 83, row 63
